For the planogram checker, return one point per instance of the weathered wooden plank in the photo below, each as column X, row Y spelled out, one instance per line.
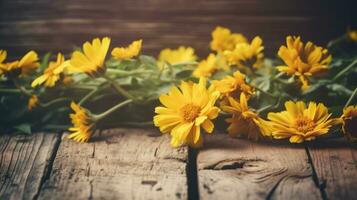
column 58, row 26
column 335, row 163
column 24, row 161
column 240, row 169
column 118, row 164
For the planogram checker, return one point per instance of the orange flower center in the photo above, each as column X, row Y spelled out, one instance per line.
column 190, row 112
column 304, row 124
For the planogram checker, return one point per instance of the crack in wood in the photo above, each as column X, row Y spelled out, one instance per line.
column 321, row 184
column 48, row 170
column 229, row 164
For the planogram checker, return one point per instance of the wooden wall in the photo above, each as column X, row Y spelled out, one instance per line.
column 59, row 25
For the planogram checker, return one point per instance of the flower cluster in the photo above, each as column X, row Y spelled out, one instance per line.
column 234, row 85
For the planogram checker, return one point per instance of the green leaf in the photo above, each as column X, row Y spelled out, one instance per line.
column 24, row 128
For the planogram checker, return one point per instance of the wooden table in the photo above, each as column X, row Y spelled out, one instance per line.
column 139, row 164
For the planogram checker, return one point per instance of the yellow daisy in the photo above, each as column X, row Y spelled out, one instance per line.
column 24, row 66
column 303, row 60
column 244, row 121
column 349, row 122
column 123, row 53
column 223, row 39
column 352, row 35
column 175, row 56
column 212, row 64
column 246, row 55
column 33, row 102
column 233, row 86
column 83, row 125
column 185, row 110
column 91, row 60
column 3, row 55
column 53, row 72
column 300, row 123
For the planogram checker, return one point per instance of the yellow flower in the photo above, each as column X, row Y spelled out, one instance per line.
column 349, row 122
column 302, row 60
column 244, row 121
column 53, row 72
column 245, row 54
column 233, row 86
column 24, row 66
column 175, row 56
column 91, row 60
column 212, row 64
column 83, row 126
column 123, row 53
column 223, row 39
column 185, row 110
column 300, row 123
column 33, row 102
column 3, row 55
column 352, row 35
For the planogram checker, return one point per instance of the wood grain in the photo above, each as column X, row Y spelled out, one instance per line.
column 60, row 25
column 335, row 163
column 118, row 164
column 240, row 169
column 24, row 160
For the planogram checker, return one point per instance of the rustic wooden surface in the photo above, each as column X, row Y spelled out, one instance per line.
column 139, row 164
column 62, row 24
column 335, row 163
column 118, row 164
column 240, row 169
column 24, row 162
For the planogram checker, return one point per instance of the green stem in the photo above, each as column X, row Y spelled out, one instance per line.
column 50, row 103
column 122, row 73
column 265, row 93
column 118, row 87
column 88, row 96
column 100, row 116
column 22, row 88
column 345, row 70
column 351, row 97
column 7, row 90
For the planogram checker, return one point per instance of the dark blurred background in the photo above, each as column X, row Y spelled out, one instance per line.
column 59, row 25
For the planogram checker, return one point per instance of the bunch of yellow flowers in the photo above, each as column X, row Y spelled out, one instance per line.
column 257, row 97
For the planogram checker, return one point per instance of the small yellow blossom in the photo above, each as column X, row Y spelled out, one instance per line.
column 175, row 56
column 223, row 39
column 352, row 35
column 233, row 86
column 303, row 60
column 83, row 125
column 33, row 102
column 299, row 123
column 349, row 122
column 91, row 60
column 24, row 66
column 123, row 53
column 209, row 66
column 244, row 121
column 185, row 110
column 53, row 72
column 246, row 55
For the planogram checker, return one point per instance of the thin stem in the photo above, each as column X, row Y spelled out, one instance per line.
column 351, row 98
column 22, row 88
column 118, row 87
column 265, row 93
column 119, row 72
column 7, row 90
column 88, row 96
column 100, row 116
column 50, row 103
column 345, row 70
